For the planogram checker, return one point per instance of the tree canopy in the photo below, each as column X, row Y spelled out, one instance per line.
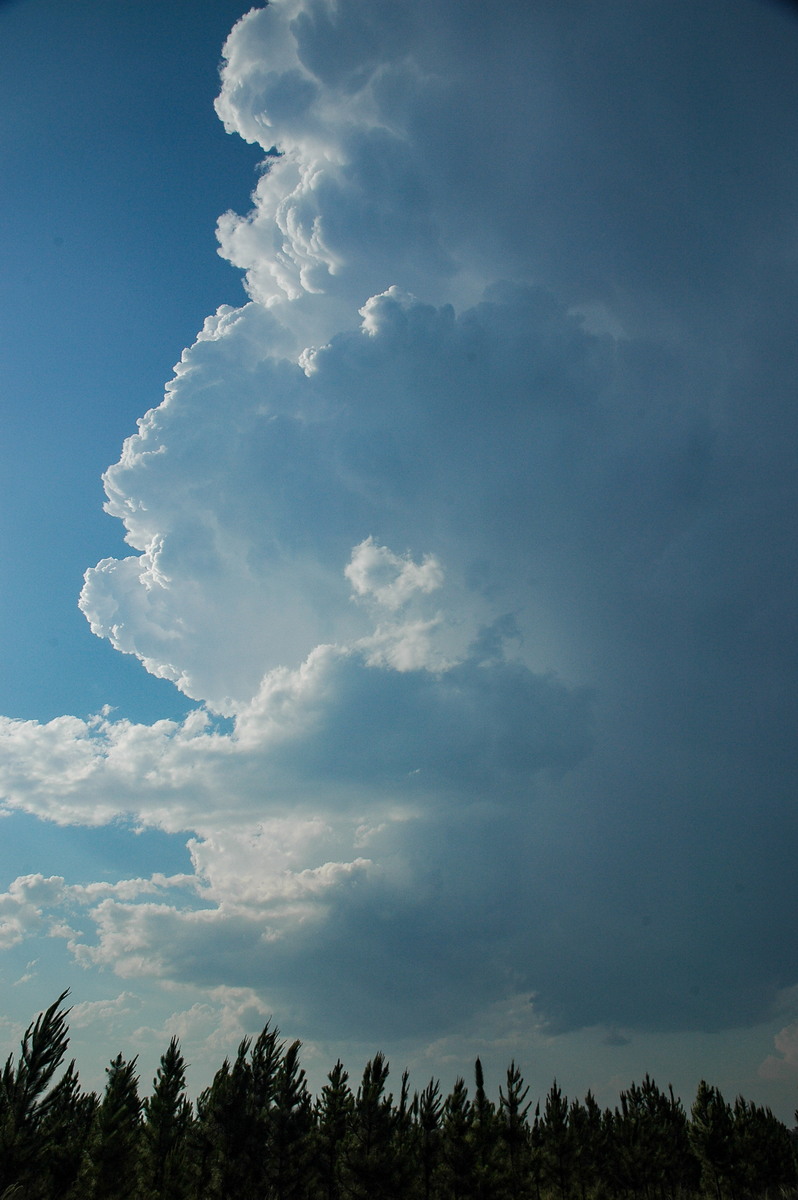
column 256, row 1133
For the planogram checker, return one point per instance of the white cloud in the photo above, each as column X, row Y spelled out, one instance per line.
column 215, row 1025
column 375, row 571
column 783, row 1065
column 22, row 907
column 408, row 646
column 248, row 488
column 344, row 207
column 280, row 804
column 91, row 1013
column 524, row 761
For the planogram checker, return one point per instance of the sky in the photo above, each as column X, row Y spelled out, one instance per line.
column 399, row 517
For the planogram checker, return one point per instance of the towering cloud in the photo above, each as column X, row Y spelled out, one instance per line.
column 476, row 523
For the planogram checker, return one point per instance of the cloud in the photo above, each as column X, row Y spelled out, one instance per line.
column 783, row 1065
column 476, row 522
column 340, row 755
column 227, row 1015
column 92, row 1013
column 374, row 571
column 435, row 150
column 305, row 730
column 247, row 489
column 21, row 908
column 344, row 206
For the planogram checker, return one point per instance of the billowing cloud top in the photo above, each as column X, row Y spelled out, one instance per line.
column 477, row 521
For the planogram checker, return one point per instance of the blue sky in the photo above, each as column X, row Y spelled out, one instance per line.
column 433, row 681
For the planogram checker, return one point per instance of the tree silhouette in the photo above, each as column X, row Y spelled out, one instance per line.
column 712, row 1138
column 167, row 1117
column 289, row 1130
column 556, row 1142
column 112, row 1164
column 458, row 1152
column 25, row 1101
column 429, row 1108
column 332, row 1120
column 486, row 1138
column 258, row 1135
column 370, row 1161
column 513, row 1109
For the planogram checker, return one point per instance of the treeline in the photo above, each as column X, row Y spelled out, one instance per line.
column 257, row 1134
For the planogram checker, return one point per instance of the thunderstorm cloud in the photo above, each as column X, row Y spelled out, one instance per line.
column 472, row 534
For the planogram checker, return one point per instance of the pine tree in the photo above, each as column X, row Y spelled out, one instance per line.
column 24, row 1099
column 484, row 1133
column 64, row 1132
column 259, row 1137
column 232, row 1139
column 406, row 1141
column 167, row 1117
column 205, row 1137
column 711, row 1134
column 585, row 1124
column 515, row 1133
column 333, row 1116
column 537, row 1154
column 635, row 1143
column 678, row 1167
column 279, row 1105
column 557, row 1144
column 290, row 1127
column 763, row 1151
column 457, row 1151
column 237, row 1118
column 265, row 1066
column 429, row 1109
column 112, row 1164
column 371, row 1170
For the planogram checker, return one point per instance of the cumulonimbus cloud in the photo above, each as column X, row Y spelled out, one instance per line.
column 473, row 524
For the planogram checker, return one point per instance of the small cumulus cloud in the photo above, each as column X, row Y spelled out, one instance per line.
column 784, row 1064
column 90, row 1013
column 23, row 906
column 374, row 571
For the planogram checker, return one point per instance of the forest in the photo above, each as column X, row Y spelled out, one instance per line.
column 256, row 1133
